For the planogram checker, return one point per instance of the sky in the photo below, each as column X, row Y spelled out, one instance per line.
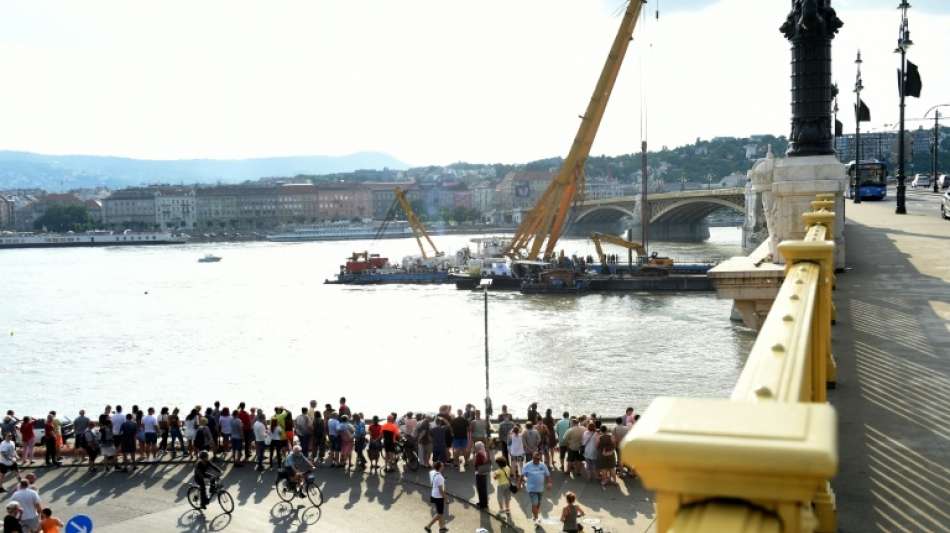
column 427, row 81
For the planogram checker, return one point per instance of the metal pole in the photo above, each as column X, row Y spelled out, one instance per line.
column 644, row 206
column 936, row 147
column 903, row 42
column 856, row 188
column 488, row 406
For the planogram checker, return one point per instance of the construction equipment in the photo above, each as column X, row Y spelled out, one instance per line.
column 652, row 264
column 545, row 222
column 418, row 229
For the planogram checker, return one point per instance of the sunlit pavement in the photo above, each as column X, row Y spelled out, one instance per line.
column 892, row 344
column 153, row 499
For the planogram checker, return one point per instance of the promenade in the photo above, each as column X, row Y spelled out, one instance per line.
column 892, row 344
column 152, row 499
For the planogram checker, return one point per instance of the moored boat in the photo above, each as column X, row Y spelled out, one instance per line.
column 90, row 238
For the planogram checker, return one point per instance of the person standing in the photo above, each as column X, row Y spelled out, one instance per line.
column 150, row 434
column 277, row 444
column 28, row 438
column 247, row 430
column 49, row 441
column 533, row 415
column 346, row 432
column 260, row 440
column 344, row 409
column 574, row 441
column 424, row 439
column 118, row 418
column 536, row 478
column 505, row 424
column 303, row 428
column 333, row 431
column 532, row 440
column 163, row 431
column 560, row 430
column 482, row 469
column 460, row 434
column 571, row 513
column 90, row 442
column 8, row 459
column 390, row 438
column 516, row 450
column 127, row 433
column 606, row 458
column 319, row 437
column 589, row 444
column 174, row 429
column 437, row 497
column 359, row 440
column 30, row 506
column 49, row 523
column 503, row 484
column 80, row 424
column 107, row 444
column 224, row 428
column 440, row 451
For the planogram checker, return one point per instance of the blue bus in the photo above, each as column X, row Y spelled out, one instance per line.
column 873, row 184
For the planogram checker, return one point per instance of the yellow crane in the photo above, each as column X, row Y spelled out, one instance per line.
column 545, row 222
column 418, row 229
column 652, row 264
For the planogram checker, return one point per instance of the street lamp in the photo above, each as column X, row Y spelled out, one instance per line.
column 936, row 142
column 485, row 283
column 903, row 43
column 858, row 86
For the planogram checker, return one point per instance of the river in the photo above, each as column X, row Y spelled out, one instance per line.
column 84, row 327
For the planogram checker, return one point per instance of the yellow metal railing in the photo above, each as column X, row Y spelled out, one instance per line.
column 760, row 461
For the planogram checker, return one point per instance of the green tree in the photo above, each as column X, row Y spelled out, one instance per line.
column 62, row 218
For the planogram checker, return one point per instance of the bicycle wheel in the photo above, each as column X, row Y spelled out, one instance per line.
column 413, row 463
column 226, row 501
column 194, row 497
column 286, row 490
column 314, row 494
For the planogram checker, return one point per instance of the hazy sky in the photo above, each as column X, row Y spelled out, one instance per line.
column 428, row 81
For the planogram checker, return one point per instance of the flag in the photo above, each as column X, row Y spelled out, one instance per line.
column 839, row 128
column 862, row 112
column 913, row 80
column 912, row 83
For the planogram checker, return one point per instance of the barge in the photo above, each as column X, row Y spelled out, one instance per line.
column 91, row 238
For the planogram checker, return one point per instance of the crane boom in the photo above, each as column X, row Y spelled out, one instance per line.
column 418, row 229
column 545, row 222
column 629, row 245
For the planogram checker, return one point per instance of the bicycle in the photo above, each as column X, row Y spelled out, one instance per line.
column 214, row 492
column 288, row 489
column 406, row 451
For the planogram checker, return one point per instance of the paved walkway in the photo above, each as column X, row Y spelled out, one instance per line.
column 892, row 343
column 152, row 499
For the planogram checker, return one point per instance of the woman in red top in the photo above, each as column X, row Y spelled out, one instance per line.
column 375, row 442
column 29, row 439
column 482, row 469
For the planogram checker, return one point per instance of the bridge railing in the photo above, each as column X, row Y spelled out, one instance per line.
column 762, row 459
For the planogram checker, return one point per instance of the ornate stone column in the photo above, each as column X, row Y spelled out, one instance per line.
column 811, row 167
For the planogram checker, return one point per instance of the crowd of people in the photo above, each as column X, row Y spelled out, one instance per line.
column 515, row 454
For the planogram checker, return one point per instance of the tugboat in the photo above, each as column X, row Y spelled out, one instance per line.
column 556, row 281
column 363, row 268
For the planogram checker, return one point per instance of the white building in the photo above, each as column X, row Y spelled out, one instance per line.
column 175, row 207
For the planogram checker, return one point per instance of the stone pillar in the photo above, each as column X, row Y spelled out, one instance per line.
column 795, row 183
column 811, row 167
column 755, row 231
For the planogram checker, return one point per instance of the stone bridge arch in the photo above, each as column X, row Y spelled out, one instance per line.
column 605, row 213
column 689, row 210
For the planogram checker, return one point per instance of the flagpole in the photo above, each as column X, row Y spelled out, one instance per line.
column 903, row 42
column 856, row 188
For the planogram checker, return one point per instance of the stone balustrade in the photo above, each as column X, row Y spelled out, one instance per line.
column 761, row 460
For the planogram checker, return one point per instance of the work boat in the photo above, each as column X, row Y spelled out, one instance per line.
column 488, row 261
column 363, row 268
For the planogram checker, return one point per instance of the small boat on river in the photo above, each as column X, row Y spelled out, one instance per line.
column 209, row 258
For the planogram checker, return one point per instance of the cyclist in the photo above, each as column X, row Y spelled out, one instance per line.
column 296, row 466
column 205, row 476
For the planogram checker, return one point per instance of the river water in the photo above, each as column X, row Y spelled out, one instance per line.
column 150, row 325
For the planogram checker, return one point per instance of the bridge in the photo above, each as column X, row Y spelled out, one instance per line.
column 673, row 215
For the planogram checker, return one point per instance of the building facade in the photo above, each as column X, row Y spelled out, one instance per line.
column 131, row 208
column 297, row 203
column 6, row 213
column 175, row 208
column 347, row 201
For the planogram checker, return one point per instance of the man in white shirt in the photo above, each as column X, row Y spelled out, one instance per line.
column 118, row 418
column 8, row 459
column 30, row 503
column 260, row 440
column 150, row 430
column 437, row 497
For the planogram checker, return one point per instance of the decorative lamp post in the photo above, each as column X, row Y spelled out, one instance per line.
column 936, row 141
column 858, row 86
column 810, row 27
column 903, row 43
column 485, row 283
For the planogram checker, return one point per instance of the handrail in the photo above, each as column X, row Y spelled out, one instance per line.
column 770, row 450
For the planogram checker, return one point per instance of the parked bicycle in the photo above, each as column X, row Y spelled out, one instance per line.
column 215, row 492
column 406, row 452
column 288, row 489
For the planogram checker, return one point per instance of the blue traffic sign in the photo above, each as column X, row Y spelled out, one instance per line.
column 79, row 524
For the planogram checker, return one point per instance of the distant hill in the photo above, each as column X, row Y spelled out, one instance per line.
column 64, row 172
